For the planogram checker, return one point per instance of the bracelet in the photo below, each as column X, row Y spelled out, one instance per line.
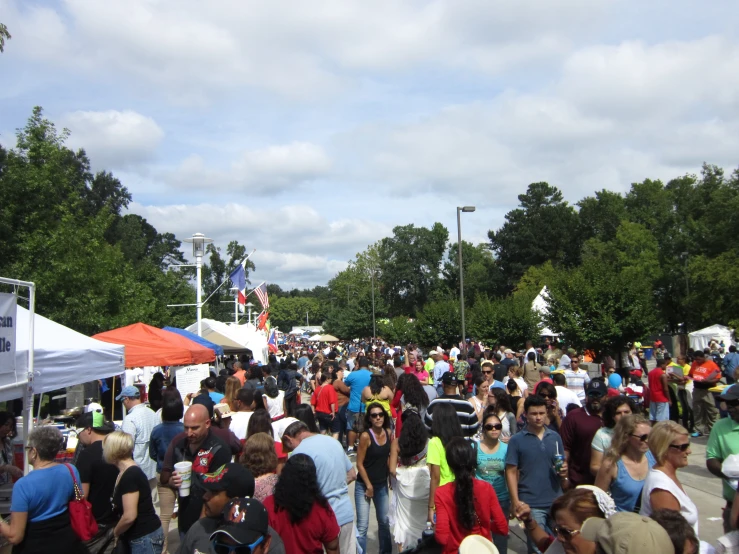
column 432, row 508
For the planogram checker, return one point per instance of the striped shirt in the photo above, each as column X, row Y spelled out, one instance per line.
column 465, row 413
column 577, row 381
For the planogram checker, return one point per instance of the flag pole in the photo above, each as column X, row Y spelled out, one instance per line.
column 228, row 278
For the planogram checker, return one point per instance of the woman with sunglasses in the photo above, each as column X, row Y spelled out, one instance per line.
column 627, row 463
column 504, row 412
column 373, row 455
column 669, row 442
column 491, row 453
column 466, row 506
column 614, row 409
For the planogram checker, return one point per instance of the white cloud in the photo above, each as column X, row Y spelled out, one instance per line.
column 114, row 139
column 267, row 170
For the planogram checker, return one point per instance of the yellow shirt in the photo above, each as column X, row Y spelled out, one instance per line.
column 436, row 455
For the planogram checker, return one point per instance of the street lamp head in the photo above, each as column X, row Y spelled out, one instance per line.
column 198, row 240
column 468, row 209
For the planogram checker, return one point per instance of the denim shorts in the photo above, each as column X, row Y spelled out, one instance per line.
column 659, row 411
column 351, row 418
column 153, row 543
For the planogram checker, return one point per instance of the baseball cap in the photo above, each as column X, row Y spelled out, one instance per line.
column 730, row 393
column 129, row 392
column 476, row 544
column 508, row 351
column 626, row 533
column 245, row 520
column 544, row 369
column 96, row 421
column 233, row 478
column 597, row 388
column 635, row 373
column 449, row 378
column 222, row 410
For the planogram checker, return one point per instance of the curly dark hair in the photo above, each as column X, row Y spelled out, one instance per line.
column 260, row 422
column 413, row 437
column 376, row 383
column 613, row 404
column 462, row 460
column 501, row 399
column 413, row 392
column 297, row 488
column 368, row 420
column 444, row 423
column 389, row 377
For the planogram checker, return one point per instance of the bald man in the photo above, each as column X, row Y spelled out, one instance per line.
column 207, row 453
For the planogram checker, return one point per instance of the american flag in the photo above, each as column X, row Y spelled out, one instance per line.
column 261, row 292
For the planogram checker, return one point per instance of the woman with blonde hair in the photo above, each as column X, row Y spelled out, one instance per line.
column 139, row 527
column 260, row 457
column 669, row 442
column 627, row 462
column 233, row 385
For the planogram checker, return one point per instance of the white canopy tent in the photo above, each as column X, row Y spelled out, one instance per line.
column 234, row 337
column 62, row 358
column 702, row 338
column 541, row 305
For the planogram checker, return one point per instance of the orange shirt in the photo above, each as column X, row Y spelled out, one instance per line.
column 241, row 376
column 704, row 371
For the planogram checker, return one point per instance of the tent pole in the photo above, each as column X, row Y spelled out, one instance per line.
column 112, row 402
column 28, row 416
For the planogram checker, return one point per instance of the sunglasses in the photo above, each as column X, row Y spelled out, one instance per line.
column 681, row 447
column 546, row 396
column 566, row 534
column 223, row 548
column 377, row 414
column 487, row 372
column 642, row 438
column 493, row 426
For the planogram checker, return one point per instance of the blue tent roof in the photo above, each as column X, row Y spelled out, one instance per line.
column 200, row 340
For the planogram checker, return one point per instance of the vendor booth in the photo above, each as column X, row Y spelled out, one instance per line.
column 149, row 346
column 234, row 338
column 217, row 348
column 698, row 340
column 541, row 306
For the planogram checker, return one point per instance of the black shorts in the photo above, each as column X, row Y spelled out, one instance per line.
column 327, row 423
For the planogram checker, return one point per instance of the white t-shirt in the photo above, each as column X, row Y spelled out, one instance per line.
column 566, row 397
column 275, row 406
column 454, row 353
column 658, row 480
column 239, row 421
column 522, row 386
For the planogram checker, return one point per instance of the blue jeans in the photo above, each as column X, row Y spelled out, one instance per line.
column 544, row 520
column 501, row 541
column 381, row 500
column 153, row 543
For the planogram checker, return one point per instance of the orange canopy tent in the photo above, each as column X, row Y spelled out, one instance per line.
column 147, row 345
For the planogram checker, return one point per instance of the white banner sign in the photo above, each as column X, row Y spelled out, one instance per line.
column 189, row 377
column 8, row 322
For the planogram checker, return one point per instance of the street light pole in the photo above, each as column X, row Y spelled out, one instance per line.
column 374, row 329
column 465, row 209
column 199, row 240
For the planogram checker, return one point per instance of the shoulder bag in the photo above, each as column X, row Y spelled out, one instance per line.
column 80, row 512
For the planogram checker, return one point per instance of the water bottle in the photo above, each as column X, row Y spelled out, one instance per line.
column 428, row 532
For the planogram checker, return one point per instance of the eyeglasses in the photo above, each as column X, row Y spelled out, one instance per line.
column 487, row 372
column 223, row 548
column 681, row 447
column 493, row 426
column 566, row 534
column 546, row 396
column 376, row 415
column 643, row 437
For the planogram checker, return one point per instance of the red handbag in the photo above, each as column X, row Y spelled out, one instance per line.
column 80, row 512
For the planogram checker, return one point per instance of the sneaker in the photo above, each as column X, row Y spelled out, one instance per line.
column 696, row 434
column 350, row 450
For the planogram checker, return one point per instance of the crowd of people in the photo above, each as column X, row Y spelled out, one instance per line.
column 448, row 447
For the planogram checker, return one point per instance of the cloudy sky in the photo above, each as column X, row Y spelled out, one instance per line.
column 308, row 130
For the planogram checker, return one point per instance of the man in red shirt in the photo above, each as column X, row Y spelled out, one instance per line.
column 578, row 430
column 659, row 395
column 705, row 374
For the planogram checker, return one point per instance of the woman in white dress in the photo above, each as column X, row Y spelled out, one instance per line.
column 669, row 442
column 411, row 481
column 274, row 399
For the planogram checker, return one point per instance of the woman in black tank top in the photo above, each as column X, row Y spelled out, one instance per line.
column 373, row 455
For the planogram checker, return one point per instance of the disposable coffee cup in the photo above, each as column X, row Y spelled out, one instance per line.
column 184, row 470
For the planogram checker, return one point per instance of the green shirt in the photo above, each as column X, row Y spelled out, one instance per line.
column 437, row 455
column 724, row 441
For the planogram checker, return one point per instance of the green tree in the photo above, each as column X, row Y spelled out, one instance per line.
column 399, row 330
column 600, row 215
column 509, row 321
column 544, row 228
column 288, row 312
column 215, row 271
column 479, row 271
column 409, row 266
column 439, row 322
column 4, row 35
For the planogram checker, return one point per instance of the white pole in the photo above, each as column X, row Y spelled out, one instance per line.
column 28, row 417
column 236, row 308
column 248, row 315
column 199, row 265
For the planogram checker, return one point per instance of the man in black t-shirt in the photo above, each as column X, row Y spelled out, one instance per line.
column 199, row 445
column 97, row 478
